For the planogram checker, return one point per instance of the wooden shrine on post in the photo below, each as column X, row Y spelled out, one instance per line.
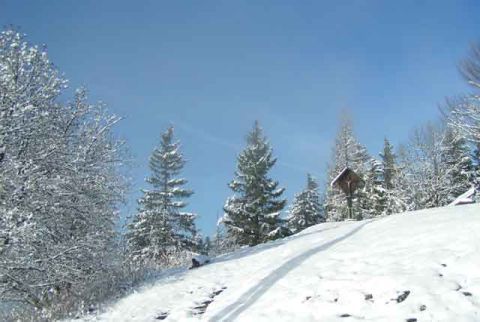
column 348, row 181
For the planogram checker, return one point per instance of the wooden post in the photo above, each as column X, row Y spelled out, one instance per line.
column 349, row 200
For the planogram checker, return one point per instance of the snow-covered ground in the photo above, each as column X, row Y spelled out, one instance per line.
column 421, row 265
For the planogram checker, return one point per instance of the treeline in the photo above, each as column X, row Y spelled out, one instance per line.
column 62, row 184
column 432, row 169
column 439, row 162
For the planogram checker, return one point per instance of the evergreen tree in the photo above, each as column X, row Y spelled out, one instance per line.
column 457, row 163
column 221, row 244
column 476, row 164
column 404, row 182
column 197, row 242
column 161, row 230
column 252, row 215
column 374, row 199
column 207, row 246
column 389, row 166
column 306, row 209
column 347, row 152
column 395, row 199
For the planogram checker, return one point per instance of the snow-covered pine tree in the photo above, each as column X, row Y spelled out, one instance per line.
column 459, row 172
column 374, row 197
column 221, row 243
column 389, row 165
column 306, row 209
column 405, row 184
column 476, row 164
column 207, row 246
column 161, row 231
column 197, row 242
column 395, row 199
column 252, row 214
column 347, row 152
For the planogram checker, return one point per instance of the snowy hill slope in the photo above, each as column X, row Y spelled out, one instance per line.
column 422, row 265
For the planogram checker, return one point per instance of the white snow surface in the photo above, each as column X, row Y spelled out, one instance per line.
column 465, row 198
column 332, row 270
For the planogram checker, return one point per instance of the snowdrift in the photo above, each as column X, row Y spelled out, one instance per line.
column 421, row 266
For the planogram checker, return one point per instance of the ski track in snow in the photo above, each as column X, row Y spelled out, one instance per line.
column 422, row 265
column 253, row 294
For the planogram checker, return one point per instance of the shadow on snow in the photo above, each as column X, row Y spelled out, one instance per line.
column 247, row 251
column 254, row 293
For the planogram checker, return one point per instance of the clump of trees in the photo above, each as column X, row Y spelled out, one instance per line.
column 383, row 190
column 347, row 152
column 439, row 162
column 435, row 166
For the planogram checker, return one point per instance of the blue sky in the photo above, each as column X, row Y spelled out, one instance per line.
column 212, row 67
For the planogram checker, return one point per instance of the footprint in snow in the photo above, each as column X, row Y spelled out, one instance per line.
column 161, row 316
column 459, row 287
column 402, row 297
column 202, row 306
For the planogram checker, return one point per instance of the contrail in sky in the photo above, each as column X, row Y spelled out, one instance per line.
column 205, row 136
